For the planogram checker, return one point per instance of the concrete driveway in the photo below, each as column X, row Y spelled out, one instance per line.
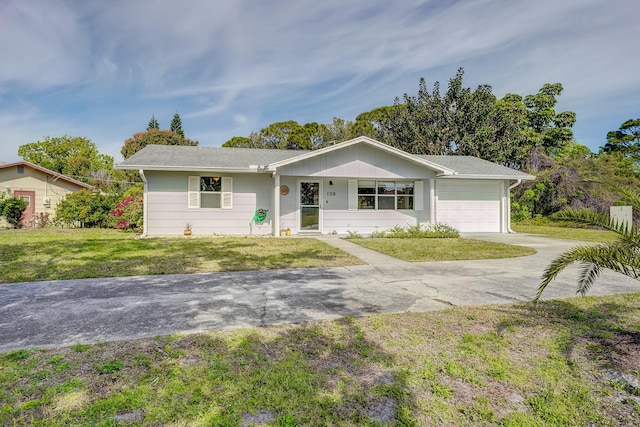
column 55, row 313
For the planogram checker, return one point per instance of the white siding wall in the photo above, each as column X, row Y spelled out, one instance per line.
column 289, row 205
column 168, row 211
column 359, row 161
column 336, row 215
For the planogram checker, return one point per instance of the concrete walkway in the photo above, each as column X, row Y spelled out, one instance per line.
column 55, row 313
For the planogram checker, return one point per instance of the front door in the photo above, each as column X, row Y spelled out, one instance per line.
column 28, row 216
column 310, row 206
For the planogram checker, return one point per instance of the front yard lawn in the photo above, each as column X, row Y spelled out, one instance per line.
column 417, row 249
column 52, row 254
column 558, row 232
column 558, row 363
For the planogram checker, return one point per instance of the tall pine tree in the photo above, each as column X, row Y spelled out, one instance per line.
column 153, row 123
column 176, row 125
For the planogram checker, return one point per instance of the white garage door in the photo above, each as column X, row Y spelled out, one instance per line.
column 469, row 206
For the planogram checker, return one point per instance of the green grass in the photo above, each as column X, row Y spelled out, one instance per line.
column 558, row 232
column 416, row 249
column 508, row 365
column 37, row 254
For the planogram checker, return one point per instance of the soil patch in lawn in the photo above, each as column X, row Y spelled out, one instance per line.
column 560, row 362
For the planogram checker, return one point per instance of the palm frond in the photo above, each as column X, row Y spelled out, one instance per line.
column 588, row 275
column 586, row 216
column 622, row 256
column 618, row 256
column 629, row 194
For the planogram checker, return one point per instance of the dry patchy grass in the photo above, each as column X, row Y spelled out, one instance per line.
column 564, row 362
column 37, row 254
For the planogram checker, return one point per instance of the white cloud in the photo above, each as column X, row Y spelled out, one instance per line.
column 237, row 66
column 240, row 119
column 42, row 44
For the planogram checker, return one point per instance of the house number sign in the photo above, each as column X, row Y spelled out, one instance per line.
column 331, row 193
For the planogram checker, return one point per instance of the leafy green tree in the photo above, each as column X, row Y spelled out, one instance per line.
column 421, row 127
column 176, row 125
column 76, row 157
column 153, row 136
column 84, row 208
column 276, row 135
column 289, row 135
column 625, row 140
column 337, row 131
column 375, row 123
column 303, row 137
column 460, row 121
column 12, row 208
column 241, row 142
column 622, row 255
column 153, row 123
column 553, row 129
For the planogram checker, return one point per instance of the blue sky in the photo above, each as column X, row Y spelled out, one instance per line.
column 100, row 69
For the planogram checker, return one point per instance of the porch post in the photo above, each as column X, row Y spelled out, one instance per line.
column 276, row 205
column 432, row 201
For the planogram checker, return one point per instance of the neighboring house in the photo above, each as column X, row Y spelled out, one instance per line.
column 40, row 187
column 358, row 185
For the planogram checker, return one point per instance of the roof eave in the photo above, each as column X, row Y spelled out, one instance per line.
column 525, row 177
column 251, row 169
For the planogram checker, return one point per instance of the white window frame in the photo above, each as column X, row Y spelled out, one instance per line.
column 354, row 195
column 194, row 193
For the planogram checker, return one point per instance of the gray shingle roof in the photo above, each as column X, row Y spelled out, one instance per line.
column 468, row 165
column 183, row 157
column 171, row 157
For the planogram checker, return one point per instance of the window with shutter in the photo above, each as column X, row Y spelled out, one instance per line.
column 213, row 192
column 194, row 192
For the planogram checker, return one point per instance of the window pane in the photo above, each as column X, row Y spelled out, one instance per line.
column 386, row 202
column 366, row 187
column 404, row 187
column 210, row 183
column 310, row 218
column 366, row 202
column 209, row 200
column 405, row 202
column 386, row 187
column 310, row 193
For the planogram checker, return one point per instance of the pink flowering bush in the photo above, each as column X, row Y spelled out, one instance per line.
column 127, row 214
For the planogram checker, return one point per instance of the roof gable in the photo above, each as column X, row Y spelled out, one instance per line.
column 56, row 175
column 363, row 140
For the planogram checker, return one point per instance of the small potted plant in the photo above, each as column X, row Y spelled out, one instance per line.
column 187, row 229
